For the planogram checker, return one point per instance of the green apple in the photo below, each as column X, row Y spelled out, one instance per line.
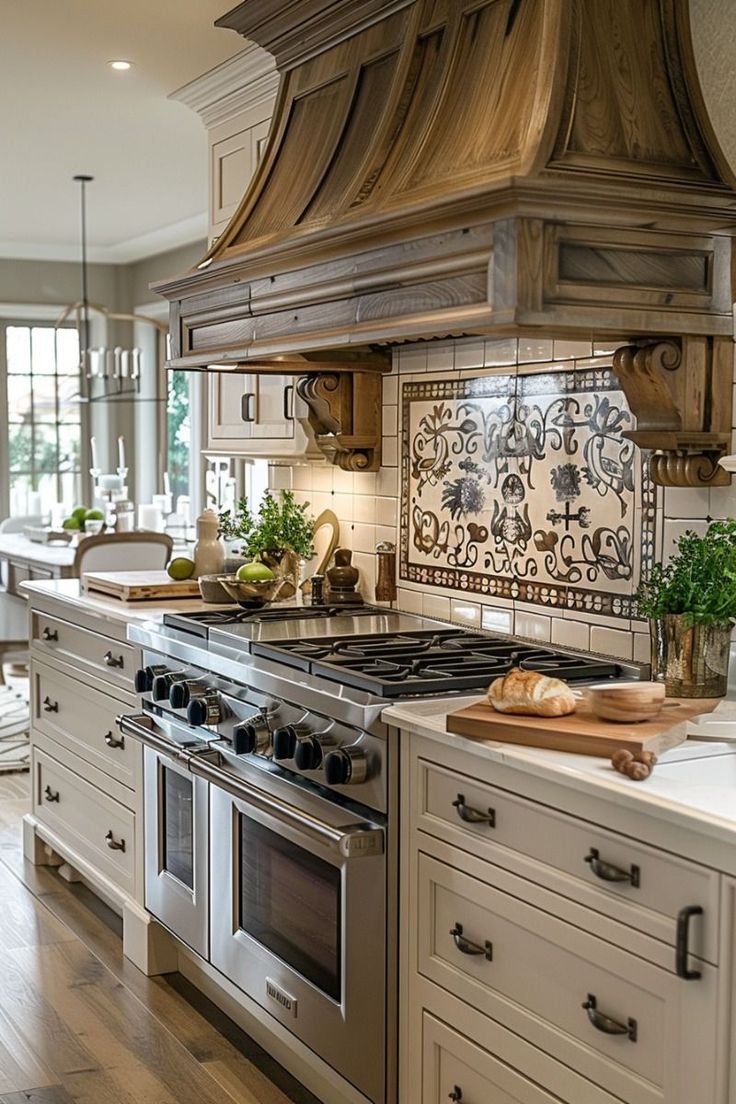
column 94, row 515
column 80, row 513
column 180, row 568
column 255, row 573
column 70, row 523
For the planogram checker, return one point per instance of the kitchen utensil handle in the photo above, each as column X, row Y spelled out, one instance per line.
column 112, row 843
column 112, row 742
column 468, row 947
column 50, row 706
column 289, row 402
column 246, row 408
column 607, row 872
column 607, row 1024
column 113, row 661
column 682, row 941
column 473, row 816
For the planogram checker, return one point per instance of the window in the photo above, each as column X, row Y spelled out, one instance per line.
column 179, row 433
column 42, row 429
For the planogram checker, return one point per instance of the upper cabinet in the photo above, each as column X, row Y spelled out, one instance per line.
column 233, row 159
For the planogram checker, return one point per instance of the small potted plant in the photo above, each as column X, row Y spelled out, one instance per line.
column 691, row 607
column 280, row 536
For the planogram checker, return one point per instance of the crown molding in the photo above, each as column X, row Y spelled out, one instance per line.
column 243, row 83
column 161, row 240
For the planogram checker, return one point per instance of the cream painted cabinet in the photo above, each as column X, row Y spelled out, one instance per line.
column 539, row 951
column 247, row 413
column 234, row 159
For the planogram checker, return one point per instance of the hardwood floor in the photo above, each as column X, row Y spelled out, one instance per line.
column 79, row 1024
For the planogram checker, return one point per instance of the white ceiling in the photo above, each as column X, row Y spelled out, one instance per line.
column 64, row 111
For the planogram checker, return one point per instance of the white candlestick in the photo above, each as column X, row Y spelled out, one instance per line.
column 121, row 452
column 93, row 450
column 167, row 484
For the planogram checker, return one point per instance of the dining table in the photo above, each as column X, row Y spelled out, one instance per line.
column 22, row 560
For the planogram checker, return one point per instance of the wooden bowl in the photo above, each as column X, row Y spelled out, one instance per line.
column 626, row 701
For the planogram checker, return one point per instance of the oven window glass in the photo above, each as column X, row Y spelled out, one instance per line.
column 178, row 857
column 290, row 901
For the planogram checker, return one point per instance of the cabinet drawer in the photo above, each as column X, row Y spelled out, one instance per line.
column 452, row 1064
column 96, row 826
column 655, row 885
column 113, row 659
column 534, row 974
column 84, row 720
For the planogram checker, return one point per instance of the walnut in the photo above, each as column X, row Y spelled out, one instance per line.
column 621, row 758
column 637, row 772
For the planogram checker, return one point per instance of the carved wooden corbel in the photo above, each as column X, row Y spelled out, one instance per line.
column 680, row 393
column 345, row 415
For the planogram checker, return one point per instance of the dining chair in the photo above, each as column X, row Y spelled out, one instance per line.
column 123, row 552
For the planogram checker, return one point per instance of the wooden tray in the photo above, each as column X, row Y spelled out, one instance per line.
column 139, row 586
column 580, row 732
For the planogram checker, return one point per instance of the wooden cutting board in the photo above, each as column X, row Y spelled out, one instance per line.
column 139, row 586
column 580, row 732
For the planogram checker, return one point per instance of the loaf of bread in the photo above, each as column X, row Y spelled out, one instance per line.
column 529, row 692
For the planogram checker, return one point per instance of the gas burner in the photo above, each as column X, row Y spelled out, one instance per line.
column 403, row 664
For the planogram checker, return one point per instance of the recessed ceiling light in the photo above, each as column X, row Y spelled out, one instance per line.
column 120, row 65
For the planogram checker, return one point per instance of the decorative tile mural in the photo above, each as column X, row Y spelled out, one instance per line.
column 521, row 486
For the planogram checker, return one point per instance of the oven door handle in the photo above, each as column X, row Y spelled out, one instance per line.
column 140, row 727
column 354, row 842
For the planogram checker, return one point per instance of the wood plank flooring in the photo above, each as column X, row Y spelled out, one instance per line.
column 79, row 1024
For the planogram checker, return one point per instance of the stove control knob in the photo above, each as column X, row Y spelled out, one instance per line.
column 310, row 751
column 206, row 709
column 346, row 766
column 250, row 736
column 142, row 682
column 182, row 692
column 161, row 684
column 284, row 742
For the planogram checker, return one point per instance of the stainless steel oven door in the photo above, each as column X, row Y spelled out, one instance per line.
column 176, row 860
column 299, row 919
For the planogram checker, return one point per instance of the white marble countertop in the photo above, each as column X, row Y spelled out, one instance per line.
column 68, row 592
column 15, row 545
column 673, row 793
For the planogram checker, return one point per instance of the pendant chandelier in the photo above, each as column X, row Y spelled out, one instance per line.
column 107, row 373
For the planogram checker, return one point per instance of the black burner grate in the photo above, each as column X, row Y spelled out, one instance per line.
column 398, row 665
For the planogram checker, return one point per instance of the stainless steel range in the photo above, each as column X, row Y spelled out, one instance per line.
column 270, row 792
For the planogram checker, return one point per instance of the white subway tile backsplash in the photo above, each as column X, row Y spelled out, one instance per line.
column 364, row 483
column 534, row 348
column 303, row 477
column 387, row 482
column 499, row 351
column 436, row 605
column 363, row 537
column 686, row 502
column 440, row 356
column 390, row 422
column 386, row 533
column 410, row 601
column 386, row 511
column 465, row 613
column 672, row 530
column 323, row 478
column 280, row 477
column 390, row 390
column 413, row 358
column 366, row 565
column 497, row 619
column 642, row 648
column 390, row 452
column 565, row 350
column 570, row 634
column 469, row 354
column 535, row 626
column 610, row 642
column 364, row 508
column 343, row 482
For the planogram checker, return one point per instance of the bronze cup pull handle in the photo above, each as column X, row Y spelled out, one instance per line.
column 113, row 661
column 50, row 706
column 456, row 1094
column 113, row 844
column 50, row 634
column 607, row 872
column 607, row 1024
column 112, row 742
column 468, row 947
column 51, row 795
column 473, row 816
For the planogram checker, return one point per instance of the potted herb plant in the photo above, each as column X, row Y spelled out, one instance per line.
column 691, row 607
column 280, row 535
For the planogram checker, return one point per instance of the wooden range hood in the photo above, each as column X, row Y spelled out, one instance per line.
column 449, row 167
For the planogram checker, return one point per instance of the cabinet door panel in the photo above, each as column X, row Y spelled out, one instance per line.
column 228, row 428
column 275, row 401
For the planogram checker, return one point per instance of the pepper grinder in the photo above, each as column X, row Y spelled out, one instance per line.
column 386, row 581
column 342, row 580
